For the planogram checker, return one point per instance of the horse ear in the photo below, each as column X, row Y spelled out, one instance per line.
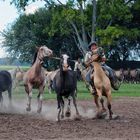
column 37, row 48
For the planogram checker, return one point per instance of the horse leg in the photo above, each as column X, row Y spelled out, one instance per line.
column 97, row 105
column 10, row 95
column 68, row 112
column 40, row 98
column 59, row 106
column 96, row 102
column 62, row 105
column 102, row 103
column 100, row 97
column 28, row 89
column 75, row 104
column 109, row 98
column 1, row 99
column 49, row 87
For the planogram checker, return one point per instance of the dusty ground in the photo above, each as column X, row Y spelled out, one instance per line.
column 18, row 125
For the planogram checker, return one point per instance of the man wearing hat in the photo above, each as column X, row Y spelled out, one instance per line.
column 94, row 49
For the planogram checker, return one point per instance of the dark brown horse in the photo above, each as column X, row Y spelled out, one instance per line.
column 35, row 76
column 65, row 85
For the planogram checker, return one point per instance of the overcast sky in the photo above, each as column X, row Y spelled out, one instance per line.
column 8, row 14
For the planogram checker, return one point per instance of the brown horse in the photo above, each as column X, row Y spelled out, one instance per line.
column 35, row 76
column 102, row 85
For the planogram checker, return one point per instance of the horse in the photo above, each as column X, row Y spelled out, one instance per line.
column 19, row 77
column 65, row 85
column 133, row 75
column 35, row 76
column 49, row 79
column 119, row 74
column 126, row 74
column 83, row 72
column 13, row 73
column 102, row 85
column 5, row 84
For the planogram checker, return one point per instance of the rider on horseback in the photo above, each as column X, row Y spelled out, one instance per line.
column 94, row 49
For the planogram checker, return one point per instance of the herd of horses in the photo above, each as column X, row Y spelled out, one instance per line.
column 128, row 75
column 63, row 80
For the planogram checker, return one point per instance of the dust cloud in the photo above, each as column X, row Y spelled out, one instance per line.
column 49, row 109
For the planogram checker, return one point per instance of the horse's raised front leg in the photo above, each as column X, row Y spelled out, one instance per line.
column 39, row 99
column 28, row 89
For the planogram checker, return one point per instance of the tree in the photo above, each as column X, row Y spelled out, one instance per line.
column 114, row 24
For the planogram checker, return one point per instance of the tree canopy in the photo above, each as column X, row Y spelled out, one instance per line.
column 73, row 25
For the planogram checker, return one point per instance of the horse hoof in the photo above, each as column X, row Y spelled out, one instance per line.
column 28, row 109
column 115, row 117
column 39, row 111
column 101, row 115
column 77, row 118
column 62, row 116
column 68, row 114
column 57, row 120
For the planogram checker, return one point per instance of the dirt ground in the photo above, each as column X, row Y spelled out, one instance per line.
column 20, row 125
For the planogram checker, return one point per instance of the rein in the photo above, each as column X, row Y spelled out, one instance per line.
column 58, row 58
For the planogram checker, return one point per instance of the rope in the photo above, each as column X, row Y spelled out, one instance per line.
column 57, row 58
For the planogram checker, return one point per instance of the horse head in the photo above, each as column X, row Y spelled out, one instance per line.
column 44, row 51
column 64, row 62
column 41, row 53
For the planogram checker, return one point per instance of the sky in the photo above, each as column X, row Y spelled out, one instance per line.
column 9, row 13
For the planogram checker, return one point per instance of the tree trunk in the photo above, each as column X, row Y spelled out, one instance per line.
column 93, row 38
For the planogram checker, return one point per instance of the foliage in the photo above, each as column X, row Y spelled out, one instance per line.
column 69, row 26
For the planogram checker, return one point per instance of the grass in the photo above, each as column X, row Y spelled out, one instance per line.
column 7, row 67
column 127, row 90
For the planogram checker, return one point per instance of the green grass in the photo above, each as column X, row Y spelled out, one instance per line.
column 128, row 90
column 7, row 67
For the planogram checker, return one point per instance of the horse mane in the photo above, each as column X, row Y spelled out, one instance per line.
column 35, row 56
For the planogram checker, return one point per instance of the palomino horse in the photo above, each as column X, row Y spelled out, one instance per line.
column 35, row 76
column 65, row 85
column 102, row 85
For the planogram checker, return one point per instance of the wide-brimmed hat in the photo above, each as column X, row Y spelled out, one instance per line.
column 92, row 43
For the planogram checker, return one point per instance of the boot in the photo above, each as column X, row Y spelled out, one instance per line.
column 115, row 84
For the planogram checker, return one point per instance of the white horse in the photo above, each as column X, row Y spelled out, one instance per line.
column 49, row 79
